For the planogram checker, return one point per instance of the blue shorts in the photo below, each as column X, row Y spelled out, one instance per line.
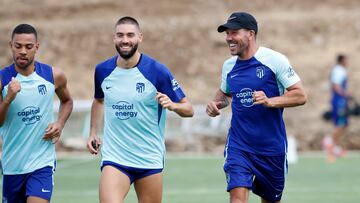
column 339, row 113
column 264, row 175
column 16, row 188
column 131, row 172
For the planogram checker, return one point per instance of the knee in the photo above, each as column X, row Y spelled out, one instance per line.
column 238, row 199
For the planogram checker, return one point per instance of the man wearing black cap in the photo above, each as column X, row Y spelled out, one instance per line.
column 260, row 82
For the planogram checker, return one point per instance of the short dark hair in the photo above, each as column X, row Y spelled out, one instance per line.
column 24, row 29
column 127, row 20
column 340, row 58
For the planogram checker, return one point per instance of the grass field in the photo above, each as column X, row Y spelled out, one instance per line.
column 200, row 179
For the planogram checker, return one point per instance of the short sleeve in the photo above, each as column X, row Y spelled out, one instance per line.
column 227, row 67
column 168, row 85
column 338, row 75
column 99, row 94
column 285, row 74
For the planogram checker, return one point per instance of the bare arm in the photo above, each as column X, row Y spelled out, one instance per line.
column 183, row 108
column 294, row 96
column 220, row 101
column 66, row 105
column 96, row 117
column 13, row 88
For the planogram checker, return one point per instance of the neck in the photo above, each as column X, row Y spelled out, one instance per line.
column 130, row 62
column 250, row 52
column 27, row 71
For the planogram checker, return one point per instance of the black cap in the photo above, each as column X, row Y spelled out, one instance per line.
column 239, row 20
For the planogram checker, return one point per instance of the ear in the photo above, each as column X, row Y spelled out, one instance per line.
column 37, row 45
column 141, row 37
column 252, row 34
column 113, row 35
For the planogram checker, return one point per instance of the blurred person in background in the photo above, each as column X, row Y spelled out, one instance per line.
column 260, row 83
column 339, row 107
column 134, row 91
column 26, row 118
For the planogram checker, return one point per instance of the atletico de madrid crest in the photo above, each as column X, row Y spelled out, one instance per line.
column 140, row 87
column 260, row 72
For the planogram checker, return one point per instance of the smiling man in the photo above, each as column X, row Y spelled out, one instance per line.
column 260, row 82
column 133, row 90
column 26, row 117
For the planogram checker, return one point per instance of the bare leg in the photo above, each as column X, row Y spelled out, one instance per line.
column 239, row 195
column 339, row 133
column 149, row 189
column 114, row 185
column 33, row 199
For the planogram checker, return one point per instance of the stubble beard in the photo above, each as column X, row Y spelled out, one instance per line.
column 25, row 66
column 127, row 54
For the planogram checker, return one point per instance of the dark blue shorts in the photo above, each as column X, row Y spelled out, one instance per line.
column 264, row 175
column 131, row 172
column 339, row 113
column 16, row 188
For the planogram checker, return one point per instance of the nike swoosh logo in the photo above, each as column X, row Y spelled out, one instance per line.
column 232, row 76
column 107, row 88
column 43, row 190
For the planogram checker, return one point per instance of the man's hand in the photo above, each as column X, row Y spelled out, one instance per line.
column 93, row 144
column 165, row 101
column 260, row 97
column 13, row 88
column 213, row 108
column 53, row 132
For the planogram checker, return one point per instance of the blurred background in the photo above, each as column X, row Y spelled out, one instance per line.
column 76, row 35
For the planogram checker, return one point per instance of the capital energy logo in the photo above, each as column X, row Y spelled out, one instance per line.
column 30, row 115
column 124, row 110
column 245, row 96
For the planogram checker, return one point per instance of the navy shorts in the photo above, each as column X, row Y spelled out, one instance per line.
column 16, row 188
column 339, row 113
column 131, row 172
column 264, row 175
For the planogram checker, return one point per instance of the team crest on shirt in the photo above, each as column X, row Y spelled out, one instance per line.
column 140, row 87
column 290, row 72
column 42, row 89
column 260, row 71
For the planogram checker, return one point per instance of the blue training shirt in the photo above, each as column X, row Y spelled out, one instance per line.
column 29, row 114
column 255, row 128
column 134, row 121
column 338, row 76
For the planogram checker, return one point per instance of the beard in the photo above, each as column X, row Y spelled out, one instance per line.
column 127, row 54
column 242, row 46
column 23, row 66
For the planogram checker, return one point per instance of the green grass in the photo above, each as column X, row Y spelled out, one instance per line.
column 200, row 179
